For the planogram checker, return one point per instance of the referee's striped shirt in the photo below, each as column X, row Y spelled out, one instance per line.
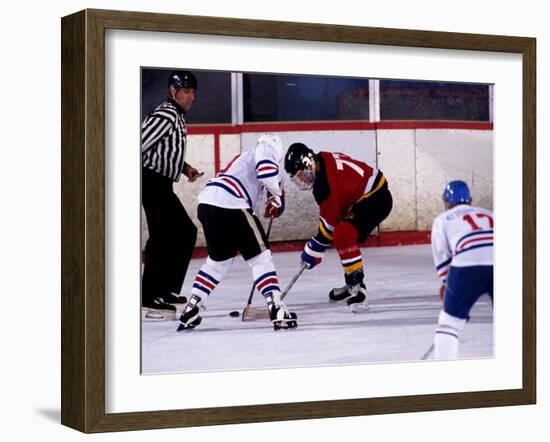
column 163, row 140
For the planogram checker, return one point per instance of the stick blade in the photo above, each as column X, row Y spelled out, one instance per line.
column 252, row 313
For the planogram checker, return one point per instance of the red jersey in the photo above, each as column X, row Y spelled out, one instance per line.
column 340, row 182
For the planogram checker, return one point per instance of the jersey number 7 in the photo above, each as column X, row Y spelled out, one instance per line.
column 342, row 160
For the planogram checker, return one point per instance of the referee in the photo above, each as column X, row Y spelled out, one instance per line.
column 172, row 234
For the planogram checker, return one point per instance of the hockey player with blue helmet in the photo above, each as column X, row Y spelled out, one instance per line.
column 462, row 247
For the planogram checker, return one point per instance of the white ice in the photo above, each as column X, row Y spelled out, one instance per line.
column 404, row 306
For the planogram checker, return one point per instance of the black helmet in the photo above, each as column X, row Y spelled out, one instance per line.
column 180, row 79
column 298, row 157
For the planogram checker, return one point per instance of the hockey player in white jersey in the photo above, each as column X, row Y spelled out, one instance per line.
column 226, row 212
column 462, row 247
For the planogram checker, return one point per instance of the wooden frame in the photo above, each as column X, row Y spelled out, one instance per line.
column 83, row 216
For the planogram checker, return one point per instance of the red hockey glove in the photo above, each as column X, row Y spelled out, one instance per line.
column 275, row 205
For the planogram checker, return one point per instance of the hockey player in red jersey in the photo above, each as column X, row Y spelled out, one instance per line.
column 353, row 198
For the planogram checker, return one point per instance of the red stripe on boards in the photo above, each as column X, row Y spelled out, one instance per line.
column 384, row 239
column 218, row 129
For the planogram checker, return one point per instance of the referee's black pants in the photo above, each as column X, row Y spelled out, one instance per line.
column 172, row 237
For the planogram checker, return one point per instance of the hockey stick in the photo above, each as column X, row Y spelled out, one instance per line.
column 253, row 313
column 428, row 352
column 292, row 281
column 248, row 305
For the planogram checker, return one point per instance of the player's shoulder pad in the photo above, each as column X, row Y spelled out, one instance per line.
column 265, row 152
column 484, row 210
column 439, row 219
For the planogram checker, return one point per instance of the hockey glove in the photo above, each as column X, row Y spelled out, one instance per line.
column 313, row 253
column 275, row 205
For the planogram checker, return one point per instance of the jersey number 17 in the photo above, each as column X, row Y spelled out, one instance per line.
column 481, row 218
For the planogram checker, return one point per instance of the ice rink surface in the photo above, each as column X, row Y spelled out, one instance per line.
column 404, row 306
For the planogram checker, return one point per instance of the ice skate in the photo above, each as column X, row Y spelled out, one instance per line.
column 357, row 302
column 354, row 293
column 339, row 294
column 280, row 316
column 355, row 297
column 158, row 309
column 190, row 317
column 175, row 299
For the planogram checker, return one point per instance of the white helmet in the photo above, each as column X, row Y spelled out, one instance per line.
column 274, row 141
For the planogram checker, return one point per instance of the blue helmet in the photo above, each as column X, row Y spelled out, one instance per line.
column 457, row 192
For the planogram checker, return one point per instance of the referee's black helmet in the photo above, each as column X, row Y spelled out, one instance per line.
column 180, row 79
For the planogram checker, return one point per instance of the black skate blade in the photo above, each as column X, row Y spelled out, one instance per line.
column 285, row 326
column 337, row 299
column 333, row 301
column 185, row 327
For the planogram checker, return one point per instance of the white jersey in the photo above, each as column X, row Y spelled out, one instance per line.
column 462, row 237
column 240, row 184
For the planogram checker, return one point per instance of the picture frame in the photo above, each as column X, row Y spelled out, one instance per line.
column 83, row 334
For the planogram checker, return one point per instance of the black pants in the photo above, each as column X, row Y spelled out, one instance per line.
column 172, row 237
column 229, row 231
column 368, row 213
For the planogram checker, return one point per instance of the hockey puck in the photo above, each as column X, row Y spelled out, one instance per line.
column 235, row 314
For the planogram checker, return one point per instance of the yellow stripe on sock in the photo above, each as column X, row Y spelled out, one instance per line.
column 353, row 267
